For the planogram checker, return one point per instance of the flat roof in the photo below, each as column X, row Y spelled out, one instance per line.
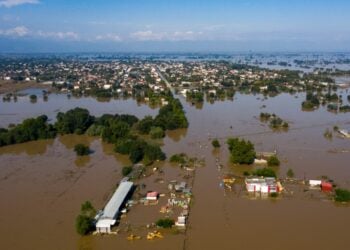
column 105, row 223
column 266, row 180
column 112, row 208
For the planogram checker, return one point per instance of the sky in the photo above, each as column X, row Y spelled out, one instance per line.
column 174, row 25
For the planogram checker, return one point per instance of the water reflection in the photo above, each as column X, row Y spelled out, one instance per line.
column 82, row 161
column 30, row 148
column 58, row 102
column 69, row 141
column 177, row 135
column 108, row 149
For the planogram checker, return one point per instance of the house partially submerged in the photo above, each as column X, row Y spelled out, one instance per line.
column 108, row 217
column 152, row 196
column 321, row 184
column 181, row 221
column 264, row 185
column 344, row 133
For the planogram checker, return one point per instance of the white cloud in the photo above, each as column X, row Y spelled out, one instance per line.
column 58, row 35
column 12, row 3
column 109, row 37
column 149, row 35
column 22, row 31
column 18, row 31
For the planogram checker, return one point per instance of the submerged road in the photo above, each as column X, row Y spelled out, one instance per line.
column 165, row 80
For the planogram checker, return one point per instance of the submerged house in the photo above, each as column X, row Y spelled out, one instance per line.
column 152, row 196
column 181, row 221
column 265, row 185
column 108, row 217
column 344, row 133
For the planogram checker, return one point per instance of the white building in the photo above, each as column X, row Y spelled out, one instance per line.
column 107, row 86
column 181, row 221
column 263, row 185
column 110, row 213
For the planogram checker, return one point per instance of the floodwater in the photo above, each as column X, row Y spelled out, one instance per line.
column 43, row 183
column 14, row 112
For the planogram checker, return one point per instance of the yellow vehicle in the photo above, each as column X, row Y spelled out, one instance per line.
column 229, row 180
column 133, row 237
column 154, row 234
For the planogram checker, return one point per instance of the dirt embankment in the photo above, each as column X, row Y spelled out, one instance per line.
column 12, row 86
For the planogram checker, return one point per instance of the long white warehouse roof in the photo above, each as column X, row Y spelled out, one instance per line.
column 112, row 208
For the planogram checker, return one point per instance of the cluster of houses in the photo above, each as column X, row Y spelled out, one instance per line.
column 194, row 76
column 73, row 75
column 126, row 77
column 269, row 185
column 263, row 185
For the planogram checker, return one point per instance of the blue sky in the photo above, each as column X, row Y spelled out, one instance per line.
column 174, row 25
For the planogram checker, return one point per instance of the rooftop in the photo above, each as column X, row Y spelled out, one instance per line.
column 112, row 208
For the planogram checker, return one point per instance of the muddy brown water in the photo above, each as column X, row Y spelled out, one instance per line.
column 42, row 184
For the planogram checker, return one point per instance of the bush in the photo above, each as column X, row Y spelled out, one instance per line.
column 123, row 146
column 290, row 173
column 87, row 209
column 216, row 143
column 171, row 116
column 178, row 158
column 94, row 130
column 156, row 133
column 274, row 195
column 138, row 149
column 242, row 152
column 153, row 153
column 165, row 223
column 115, row 131
column 136, row 155
column 144, row 126
column 273, row 161
column 84, row 224
column 74, row 120
column 81, row 149
column 126, row 170
column 265, row 116
column 33, row 98
column 29, row 130
column 265, row 172
column 342, row 195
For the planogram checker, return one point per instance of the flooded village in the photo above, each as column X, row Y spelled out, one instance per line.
column 262, row 148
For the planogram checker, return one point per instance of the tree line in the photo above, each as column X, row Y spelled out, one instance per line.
column 125, row 131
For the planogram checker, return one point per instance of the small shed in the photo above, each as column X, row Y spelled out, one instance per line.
column 315, row 183
column 152, row 196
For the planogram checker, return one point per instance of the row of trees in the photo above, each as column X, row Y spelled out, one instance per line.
column 121, row 130
column 29, row 130
column 84, row 222
column 138, row 150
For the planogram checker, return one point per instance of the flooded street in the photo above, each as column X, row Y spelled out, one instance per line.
column 43, row 183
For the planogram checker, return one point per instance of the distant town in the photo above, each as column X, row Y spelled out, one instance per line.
column 146, row 79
